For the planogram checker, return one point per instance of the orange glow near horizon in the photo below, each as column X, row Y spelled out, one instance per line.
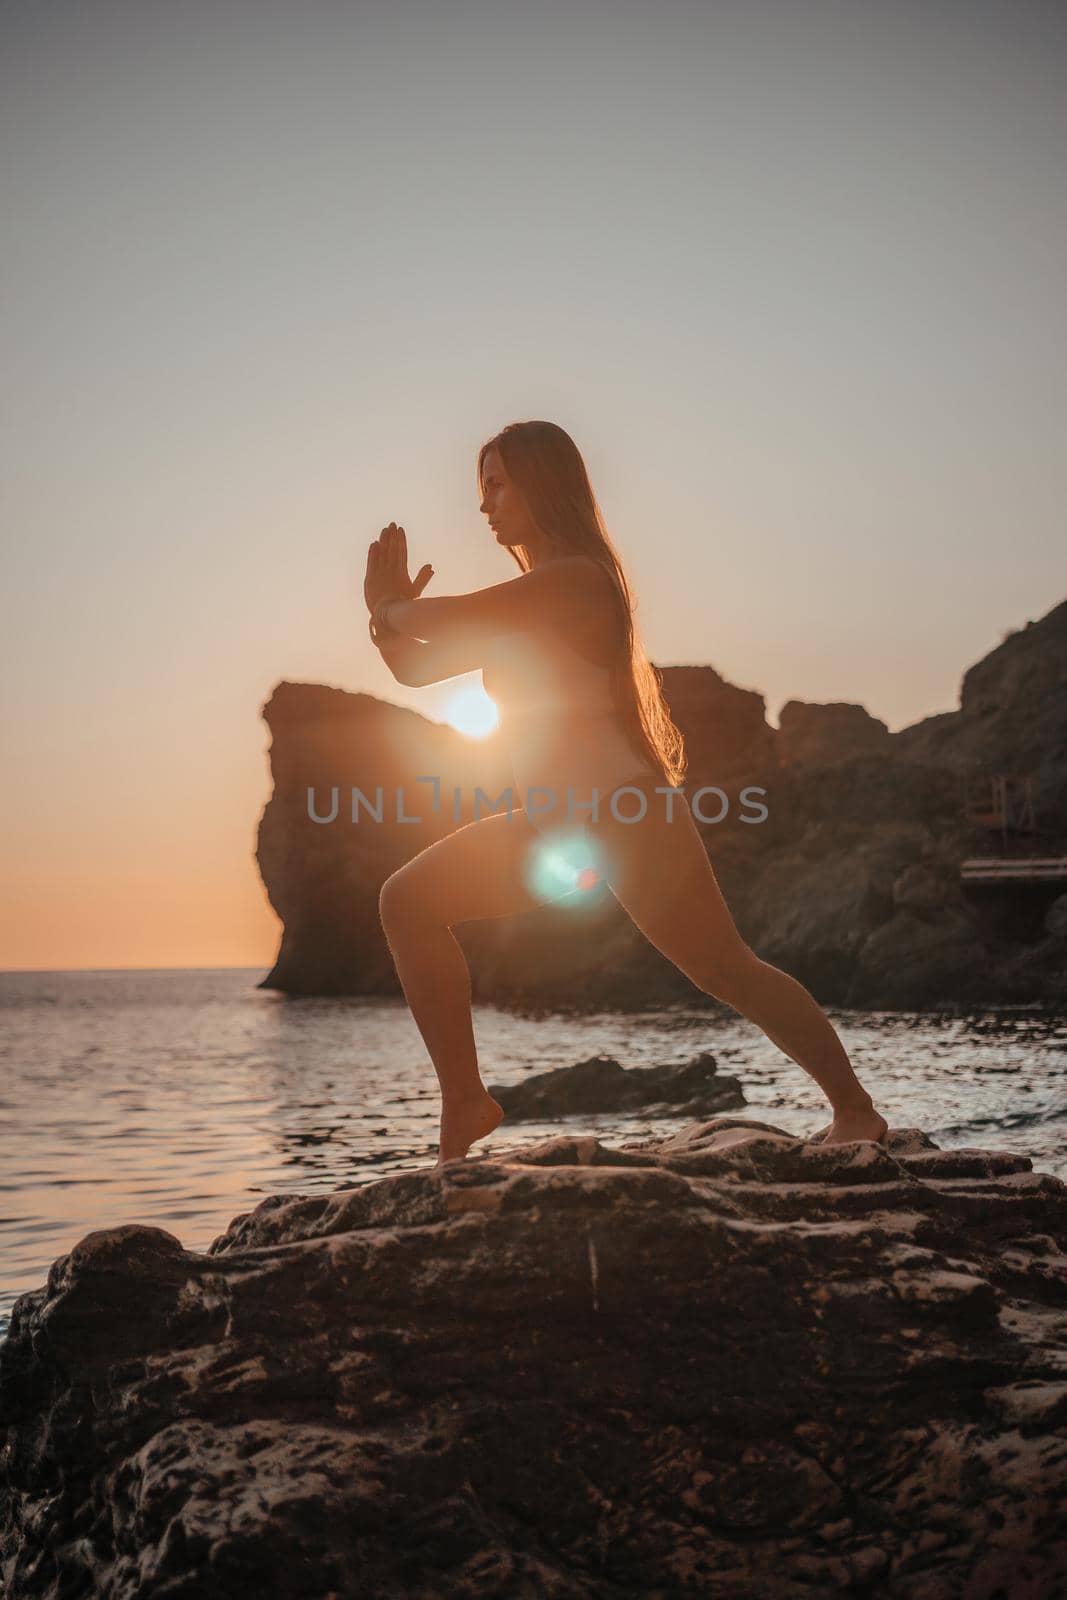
column 257, row 314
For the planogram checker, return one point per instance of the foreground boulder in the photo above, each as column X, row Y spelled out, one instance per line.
column 685, row 1089
column 727, row 1363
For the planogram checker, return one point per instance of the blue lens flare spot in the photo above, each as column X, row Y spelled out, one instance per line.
column 564, row 862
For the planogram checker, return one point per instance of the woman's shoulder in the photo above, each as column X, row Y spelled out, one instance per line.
column 589, row 570
column 592, row 621
column 590, row 578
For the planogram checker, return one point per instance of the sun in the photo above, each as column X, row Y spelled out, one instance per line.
column 472, row 712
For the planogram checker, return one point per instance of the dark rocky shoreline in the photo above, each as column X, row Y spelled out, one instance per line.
column 852, row 883
column 726, row 1363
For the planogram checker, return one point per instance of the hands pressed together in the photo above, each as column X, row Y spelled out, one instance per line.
column 387, row 570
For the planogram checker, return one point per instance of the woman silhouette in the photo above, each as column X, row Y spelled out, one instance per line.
column 581, row 708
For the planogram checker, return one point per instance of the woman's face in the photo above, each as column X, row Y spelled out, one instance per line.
column 505, row 505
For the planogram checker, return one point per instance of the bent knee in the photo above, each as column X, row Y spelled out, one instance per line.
column 407, row 897
column 396, row 902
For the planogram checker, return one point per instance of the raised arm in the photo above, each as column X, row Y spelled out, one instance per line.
column 563, row 586
column 416, row 664
column 410, row 660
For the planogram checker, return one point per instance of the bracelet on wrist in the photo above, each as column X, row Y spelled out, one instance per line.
column 379, row 625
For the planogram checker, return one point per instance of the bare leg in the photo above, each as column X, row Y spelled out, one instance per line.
column 794, row 1021
column 660, row 873
column 436, row 981
column 476, row 872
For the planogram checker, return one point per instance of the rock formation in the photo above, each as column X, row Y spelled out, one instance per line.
column 687, row 1089
column 726, row 1363
column 1012, row 718
column 852, row 882
column 822, row 735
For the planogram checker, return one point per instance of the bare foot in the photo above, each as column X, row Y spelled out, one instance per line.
column 855, row 1122
column 464, row 1121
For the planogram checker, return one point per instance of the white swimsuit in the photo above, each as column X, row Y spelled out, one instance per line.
column 561, row 729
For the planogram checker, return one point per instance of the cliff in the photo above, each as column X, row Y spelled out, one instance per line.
column 726, row 1363
column 852, row 883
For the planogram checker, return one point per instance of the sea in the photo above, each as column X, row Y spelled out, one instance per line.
column 179, row 1099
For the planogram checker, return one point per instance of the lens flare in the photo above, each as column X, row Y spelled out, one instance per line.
column 565, row 862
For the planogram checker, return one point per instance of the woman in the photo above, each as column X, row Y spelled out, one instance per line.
column 582, row 707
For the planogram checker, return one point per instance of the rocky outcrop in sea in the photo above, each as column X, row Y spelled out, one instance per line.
column 728, row 1363
column 681, row 1089
column 852, row 883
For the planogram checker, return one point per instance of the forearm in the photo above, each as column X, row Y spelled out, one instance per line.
column 401, row 656
column 440, row 619
column 398, row 615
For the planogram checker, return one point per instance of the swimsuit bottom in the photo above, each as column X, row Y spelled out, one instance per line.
column 557, row 765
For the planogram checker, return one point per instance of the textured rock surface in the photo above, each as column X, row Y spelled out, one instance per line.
column 818, row 735
column 693, row 1089
column 1012, row 717
column 852, row 883
column 731, row 1363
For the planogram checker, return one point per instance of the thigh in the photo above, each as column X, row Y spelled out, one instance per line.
column 482, row 870
column 659, row 872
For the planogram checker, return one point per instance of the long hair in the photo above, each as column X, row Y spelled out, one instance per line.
column 547, row 465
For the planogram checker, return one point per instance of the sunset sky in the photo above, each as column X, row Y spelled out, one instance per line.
column 790, row 274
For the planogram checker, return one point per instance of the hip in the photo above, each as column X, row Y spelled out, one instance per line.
column 564, row 775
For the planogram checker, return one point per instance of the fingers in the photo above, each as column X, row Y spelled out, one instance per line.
column 392, row 547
